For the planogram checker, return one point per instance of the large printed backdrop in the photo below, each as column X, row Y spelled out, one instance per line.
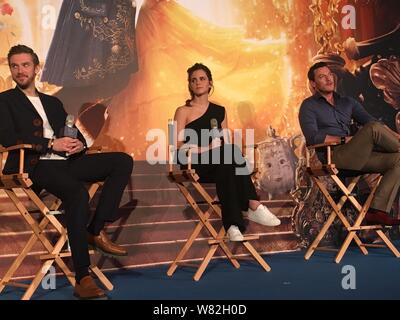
column 121, row 65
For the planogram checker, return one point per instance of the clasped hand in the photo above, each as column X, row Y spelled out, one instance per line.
column 69, row 145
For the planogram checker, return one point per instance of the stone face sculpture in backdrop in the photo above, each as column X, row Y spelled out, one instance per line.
column 277, row 166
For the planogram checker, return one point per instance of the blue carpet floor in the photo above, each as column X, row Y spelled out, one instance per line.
column 377, row 276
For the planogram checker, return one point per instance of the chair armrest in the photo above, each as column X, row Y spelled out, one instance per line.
column 171, row 154
column 323, row 145
column 21, row 148
column 95, row 149
column 327, row 145
column 16, row 147
column 255, row 146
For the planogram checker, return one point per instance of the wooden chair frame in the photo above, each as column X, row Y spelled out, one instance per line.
column 184, row 179
column 329, row 170
column 10, row 184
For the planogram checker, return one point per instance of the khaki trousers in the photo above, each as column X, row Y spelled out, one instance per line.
column 374, row 149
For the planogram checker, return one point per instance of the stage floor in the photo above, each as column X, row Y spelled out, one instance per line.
column 376, row 276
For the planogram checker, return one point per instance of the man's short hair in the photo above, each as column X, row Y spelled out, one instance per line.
column 315, row 66
column 20, row 48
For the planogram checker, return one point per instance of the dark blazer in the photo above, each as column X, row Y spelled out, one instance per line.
column 20, row 123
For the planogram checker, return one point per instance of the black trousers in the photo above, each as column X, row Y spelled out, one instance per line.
column 233, row 182
column 66, row 180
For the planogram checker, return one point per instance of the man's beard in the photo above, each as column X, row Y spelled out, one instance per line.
column 25, row 84
column 323, row 91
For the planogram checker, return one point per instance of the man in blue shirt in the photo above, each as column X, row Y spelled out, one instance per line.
column 325, row 117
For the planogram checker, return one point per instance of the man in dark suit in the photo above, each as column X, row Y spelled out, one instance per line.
column 60, row 165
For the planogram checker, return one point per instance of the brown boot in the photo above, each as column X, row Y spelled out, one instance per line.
column 88, row 289
column 375, row 216
column 105, row 245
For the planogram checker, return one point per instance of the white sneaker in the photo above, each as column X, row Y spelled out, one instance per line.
column 263, row 216
column 234, row 234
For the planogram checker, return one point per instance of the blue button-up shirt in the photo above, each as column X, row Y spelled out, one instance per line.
column 318, row 118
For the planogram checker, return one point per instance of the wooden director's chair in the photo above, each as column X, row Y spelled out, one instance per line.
column 55, row 253
column 184, row 179
column 329, row 169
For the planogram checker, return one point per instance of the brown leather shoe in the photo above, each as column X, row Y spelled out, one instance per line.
column 105, row 245
column 88, row 289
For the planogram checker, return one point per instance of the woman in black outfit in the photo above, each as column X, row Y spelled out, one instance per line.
column 198, row 125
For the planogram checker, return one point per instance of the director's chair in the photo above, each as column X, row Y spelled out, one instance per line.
column 10, row 183
column 185, row 180
column 318, row 173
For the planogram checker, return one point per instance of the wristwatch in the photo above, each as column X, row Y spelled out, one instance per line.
column 50, row 144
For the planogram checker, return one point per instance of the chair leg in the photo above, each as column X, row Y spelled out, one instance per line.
column 206, row 260
column 38, row 235
column 93, row 189
column 185, row 249
column 27, row 248
column 31, row 241
column 256, row 256
column 189, row 243
column 314, row 245
column 211, row 230
column 337, row 207
column 38, row 278
column 17, row 262
column 388, row 243
column 355, row 236
column 204, row 222
column 53, row 252
column 227, row 251
column 101, row 276
column 42, row 207
column 221, row 243
column 67, row 272
column 352, row 233
column 218, row 238
column 212, row 250
column 351, row 229
column 42, row 272
column 345, row 246
column 335, row 212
